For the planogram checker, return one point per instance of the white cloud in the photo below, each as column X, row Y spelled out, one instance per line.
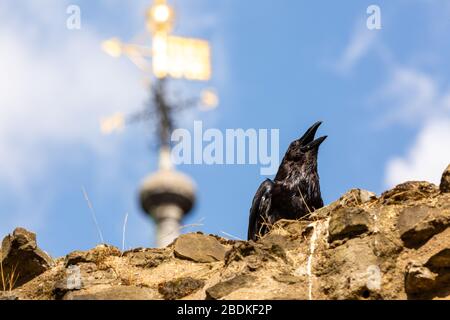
column 360, row 44
column 56, row 95
column 411, row 96
column 427, row 158
column 414, row 98
column 55, row 84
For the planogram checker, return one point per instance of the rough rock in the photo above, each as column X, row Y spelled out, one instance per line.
column 223, row 289
column 351, row 271
column 96, row 255
column 445, row 181
column 287, row 278
column 113, row 293
column 21, row 259
column 199, row 248
column 409, row 191
column 418, row 224
column 434, row 256
column 148, row 258
column 419, row 279
column 355, row 197
column 433, row 250
column 179, row 288
column 256, row 255
column 347, row 223
column 84, row 276
column 7, row 296
column 440, row 259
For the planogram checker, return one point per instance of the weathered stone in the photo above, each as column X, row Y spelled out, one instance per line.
column 433, row 252
column 253, row 263
column 241, row 250
column 440, row 259
column 273, row 241
column 419, row 279
column 276, row 246
column 8, row 296
column 348, row 223
column 366, row 196
column 60, row 288
column 199, row 248
column 180, row 288
column 85, row 275
column 445, row 181
column 77, row 257
column 223, row 289
column 112, row 293
column 408, row 191
column 21, row 259
column 349, row 271
column 150, row 258
column 419, row 223
column 96, row 255
column 411, row 216
column 355, row 197
column 256, row 254
column 385, row 246
column 435, row 256
column 352, row 198
column 287, row 278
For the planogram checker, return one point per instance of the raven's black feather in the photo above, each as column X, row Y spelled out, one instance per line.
column 260, row 209
column 295, row 191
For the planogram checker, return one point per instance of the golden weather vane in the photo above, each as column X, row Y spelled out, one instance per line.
column 169, row 56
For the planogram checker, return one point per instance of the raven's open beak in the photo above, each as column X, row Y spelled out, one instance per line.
column 314, row 144
column 309, row 135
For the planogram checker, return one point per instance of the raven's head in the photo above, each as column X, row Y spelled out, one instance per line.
column 304, row 150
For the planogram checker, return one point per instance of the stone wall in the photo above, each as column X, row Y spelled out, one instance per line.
column 396, row 246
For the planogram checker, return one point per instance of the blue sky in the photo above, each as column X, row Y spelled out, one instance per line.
column 384, row 97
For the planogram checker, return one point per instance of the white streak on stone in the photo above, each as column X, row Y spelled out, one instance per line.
column 317, row 226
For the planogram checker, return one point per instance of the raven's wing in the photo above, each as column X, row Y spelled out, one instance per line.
column 260, row 210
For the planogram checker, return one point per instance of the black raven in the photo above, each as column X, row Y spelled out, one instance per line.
column 295, row 191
